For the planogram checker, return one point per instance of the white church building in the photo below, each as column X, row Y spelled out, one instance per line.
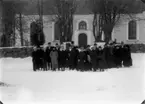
column 128, row 30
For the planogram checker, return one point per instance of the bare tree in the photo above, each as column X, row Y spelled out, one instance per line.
column 37, row 36
column 20, row 22
column 92, row 4
column 8, row 23
column 65, row 10
column 110, row 12
column 1, row 17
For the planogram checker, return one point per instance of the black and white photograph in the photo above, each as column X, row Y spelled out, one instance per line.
column 72, row 51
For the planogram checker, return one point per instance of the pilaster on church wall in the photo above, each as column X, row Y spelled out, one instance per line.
column 48, row 29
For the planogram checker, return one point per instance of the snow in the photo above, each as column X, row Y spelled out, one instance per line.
column 114, row 86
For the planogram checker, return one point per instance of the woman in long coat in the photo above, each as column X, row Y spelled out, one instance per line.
column 54, row 59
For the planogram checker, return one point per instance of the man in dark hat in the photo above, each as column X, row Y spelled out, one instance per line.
column 72, row 43
column 38, row 61
column 73, row 58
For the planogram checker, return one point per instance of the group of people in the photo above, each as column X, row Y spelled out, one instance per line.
column 91, row 58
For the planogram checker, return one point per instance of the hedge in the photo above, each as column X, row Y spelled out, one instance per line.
column 24, row 52
column 16, row 52
column 137, row 48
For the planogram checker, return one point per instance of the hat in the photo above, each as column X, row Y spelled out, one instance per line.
column 49, row 43
column 95, row 44
column 99, row 47
column 72, row 42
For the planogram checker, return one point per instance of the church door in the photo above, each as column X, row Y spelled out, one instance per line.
column 82, row 40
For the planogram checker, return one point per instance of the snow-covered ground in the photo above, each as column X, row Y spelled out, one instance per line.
column 114, row 86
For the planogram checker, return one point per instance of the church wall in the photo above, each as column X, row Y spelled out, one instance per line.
column 88, row 19
column 120, row 31
column 142, row 31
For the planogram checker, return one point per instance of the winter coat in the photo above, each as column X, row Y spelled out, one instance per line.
column 82, row 60
column 101, row 60
column 54, row 59
column 47, row 54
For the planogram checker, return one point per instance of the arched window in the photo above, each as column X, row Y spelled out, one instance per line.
column 82, row 25
column 132, row 30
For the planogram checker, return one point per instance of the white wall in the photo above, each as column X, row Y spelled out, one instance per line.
column 120, row 31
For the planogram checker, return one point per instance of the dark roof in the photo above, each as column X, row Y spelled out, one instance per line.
column 30, row 6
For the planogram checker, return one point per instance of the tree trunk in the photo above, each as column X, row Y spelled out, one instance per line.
column 108, row 36
column 14, row 33
column 100, row 27
column 94, row 26
column 21, row 29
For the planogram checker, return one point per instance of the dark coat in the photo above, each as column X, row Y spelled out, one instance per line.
column 38, row 58
column 93, row 56
column 62, row 58
column 73, row 58
column 118, row 56
column 88, row 61
column 127, row 60
column 47, row 54
column 81, row 60
column 109, row 57
column 102, row 64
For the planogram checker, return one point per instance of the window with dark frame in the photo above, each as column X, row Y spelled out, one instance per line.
column 132, row 30
column 82, row 25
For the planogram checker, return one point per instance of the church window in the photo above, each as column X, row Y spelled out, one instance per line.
column 82, row 25
column 132, row 30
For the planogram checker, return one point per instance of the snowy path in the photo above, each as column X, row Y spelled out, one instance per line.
column 115, row 86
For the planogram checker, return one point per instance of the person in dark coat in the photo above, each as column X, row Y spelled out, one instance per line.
column 81, row 60
column 101, row 59
column 88, row 66
column 73, row 58
column 127, row 60
column 67, row 51
column 47, row 56
column 109, row 57
column 39, row 55
column 62, row 58
column 34, row 59
column 117, row 56
column 54, row 58
column 93, row 56
column 58, row 50
column 122, row 52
